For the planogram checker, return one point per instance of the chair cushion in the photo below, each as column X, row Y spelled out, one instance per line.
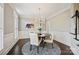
column 48, row 41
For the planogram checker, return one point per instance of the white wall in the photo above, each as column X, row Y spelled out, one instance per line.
column 23, row 31
column 60, row 25
column 1, row 26
column 9, row 30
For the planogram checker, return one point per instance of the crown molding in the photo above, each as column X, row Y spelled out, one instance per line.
column 59, row 12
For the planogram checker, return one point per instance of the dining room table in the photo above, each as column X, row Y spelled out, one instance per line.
column 43, row 36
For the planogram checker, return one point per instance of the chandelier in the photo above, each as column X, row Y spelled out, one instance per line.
column 40, row 24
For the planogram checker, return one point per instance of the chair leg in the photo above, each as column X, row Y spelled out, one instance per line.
column 44, row 44
column 37, row 49
column 52, row 45
column 30, row 47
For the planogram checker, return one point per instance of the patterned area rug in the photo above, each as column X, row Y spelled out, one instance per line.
column 47, row 50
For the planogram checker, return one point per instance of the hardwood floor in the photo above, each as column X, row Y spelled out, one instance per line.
column 16, row 50
column 65, row 50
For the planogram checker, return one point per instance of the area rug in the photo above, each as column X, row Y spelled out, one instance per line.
column 47, row 50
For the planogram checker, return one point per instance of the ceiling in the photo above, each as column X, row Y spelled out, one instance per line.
column 29, row 10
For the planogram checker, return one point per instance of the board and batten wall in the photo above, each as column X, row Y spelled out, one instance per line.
column 9, row 29
column 60, row 26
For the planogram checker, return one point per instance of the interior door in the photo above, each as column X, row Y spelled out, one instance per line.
column 16, row 25
column 1, row 27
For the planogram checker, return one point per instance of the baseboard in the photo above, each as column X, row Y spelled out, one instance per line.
column 9, row 42
column 62, row 37
column 62, row 43
column 75, row 50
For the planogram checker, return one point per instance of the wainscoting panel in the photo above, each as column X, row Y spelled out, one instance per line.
column 62, row 37
column 9, row 42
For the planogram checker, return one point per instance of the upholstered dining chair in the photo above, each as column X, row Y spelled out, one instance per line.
column 50, row 39
column 34, row 40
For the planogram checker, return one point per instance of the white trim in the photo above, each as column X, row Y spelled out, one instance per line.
column 75, row 50
column 9, row 42
column 16, row 24
column 53, row 15
column 2, row 26
column 12, row 6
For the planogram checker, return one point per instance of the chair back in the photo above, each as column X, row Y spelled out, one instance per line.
column 44, row 31
column 34, row 38
column 52, row 36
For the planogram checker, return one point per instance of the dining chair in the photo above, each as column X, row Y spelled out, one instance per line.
column 50, row 39
column 34, row 40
